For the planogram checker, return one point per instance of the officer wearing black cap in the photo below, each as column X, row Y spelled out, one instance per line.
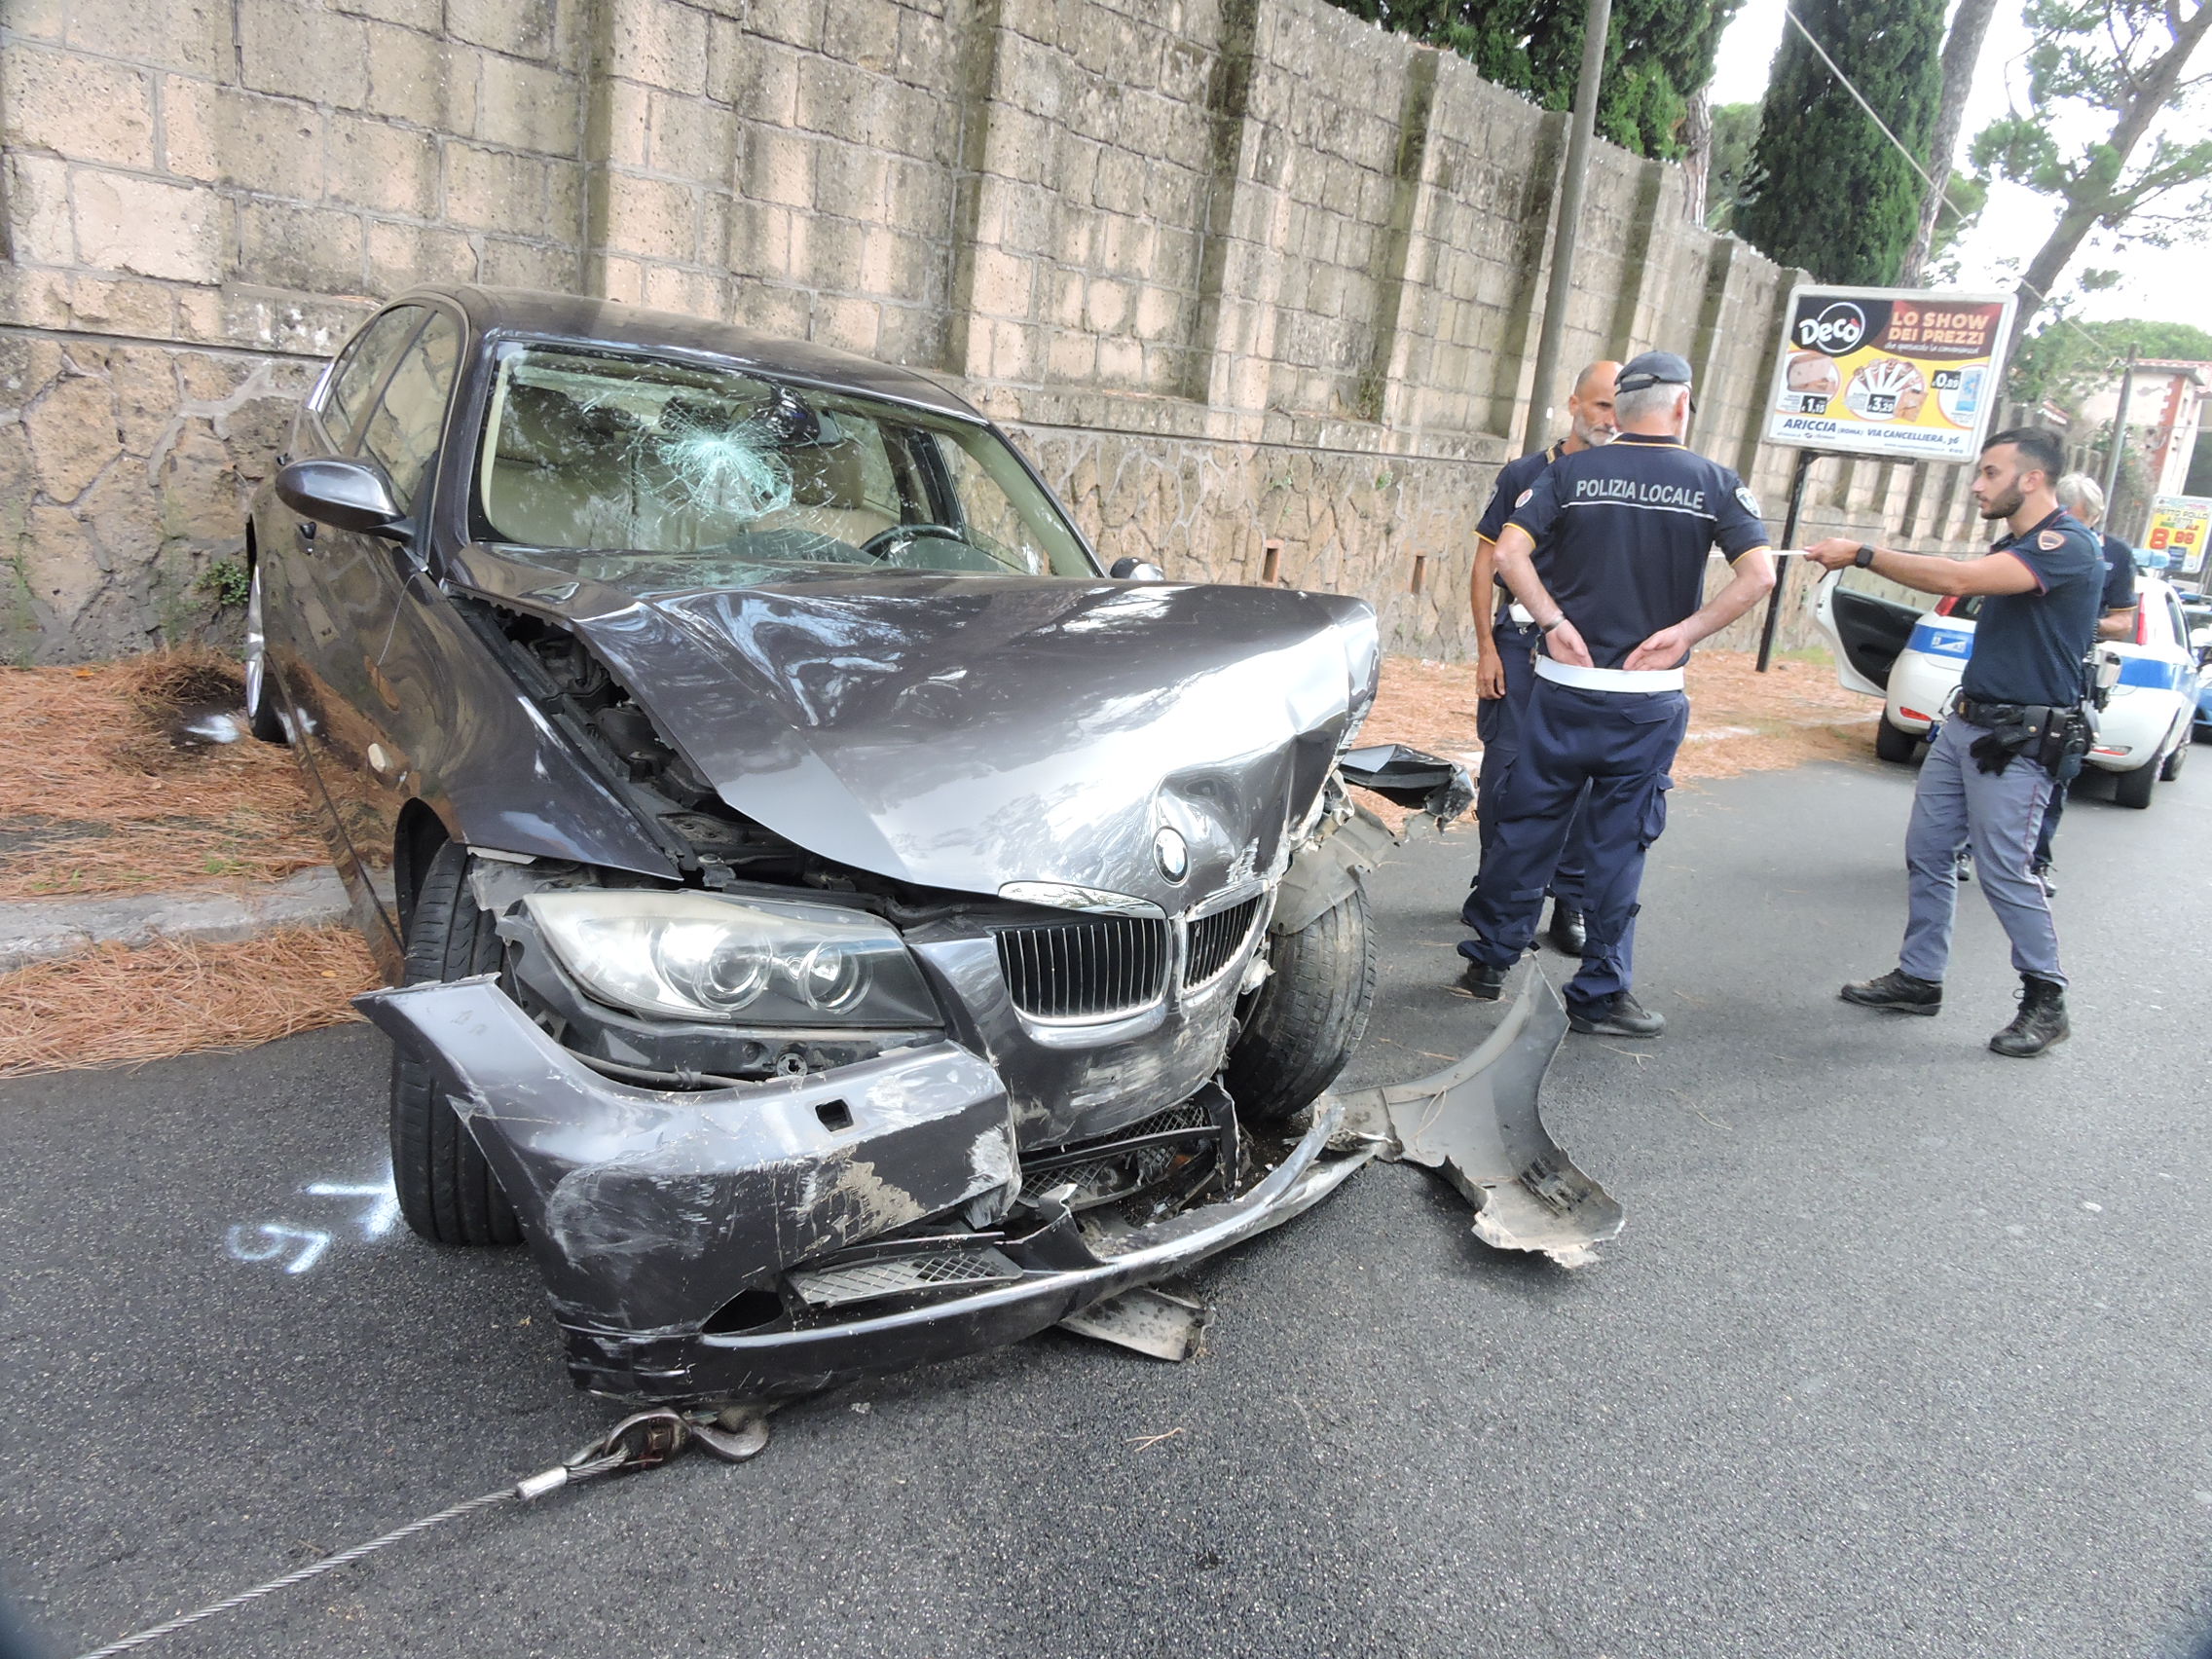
column 2016, row 724
column 1608, row 553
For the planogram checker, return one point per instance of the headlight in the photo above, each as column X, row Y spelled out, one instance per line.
column 698, row 956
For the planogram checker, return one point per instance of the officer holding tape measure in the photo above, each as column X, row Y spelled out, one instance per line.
column 1608, row 555
column 2021, row 718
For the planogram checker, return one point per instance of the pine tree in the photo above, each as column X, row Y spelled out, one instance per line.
column 1832, row 193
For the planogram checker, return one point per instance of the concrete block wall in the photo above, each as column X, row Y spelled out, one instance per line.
column 1233, row 271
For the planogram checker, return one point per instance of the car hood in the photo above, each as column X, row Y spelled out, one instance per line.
column 966, row 732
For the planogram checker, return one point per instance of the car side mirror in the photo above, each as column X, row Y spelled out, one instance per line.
column 1136, row 570
column 345, row 495
column 2200, row 638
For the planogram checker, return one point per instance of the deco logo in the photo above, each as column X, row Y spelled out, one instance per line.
column 1836, row 331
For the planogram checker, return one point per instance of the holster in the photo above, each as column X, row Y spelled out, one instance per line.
column 2065, row 741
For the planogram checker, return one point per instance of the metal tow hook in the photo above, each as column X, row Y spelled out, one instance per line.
column 646, row 1440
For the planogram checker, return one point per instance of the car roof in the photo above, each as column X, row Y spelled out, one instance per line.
column 572, row 317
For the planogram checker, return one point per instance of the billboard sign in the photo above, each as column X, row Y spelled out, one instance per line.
column 2178, row 528
column 1908, row 374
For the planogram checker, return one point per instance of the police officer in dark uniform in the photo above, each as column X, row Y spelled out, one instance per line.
column 1609, row 554
column 2082, row 496
column 2016, row 722
column 1506, row 649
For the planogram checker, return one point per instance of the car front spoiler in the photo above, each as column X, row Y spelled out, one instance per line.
column 647, row 1212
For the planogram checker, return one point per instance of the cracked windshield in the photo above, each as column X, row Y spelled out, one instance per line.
column 589, row 452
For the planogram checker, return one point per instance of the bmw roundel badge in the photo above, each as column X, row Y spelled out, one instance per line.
column 1172, row 854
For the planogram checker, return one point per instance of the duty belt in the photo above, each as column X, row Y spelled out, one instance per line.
column 2034, row 717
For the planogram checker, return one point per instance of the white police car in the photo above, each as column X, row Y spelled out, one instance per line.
column 1912, row 660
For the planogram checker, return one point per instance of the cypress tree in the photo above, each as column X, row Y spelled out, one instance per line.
column 1827, row 190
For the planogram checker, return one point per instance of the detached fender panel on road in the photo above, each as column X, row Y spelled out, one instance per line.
column 1478, row 1122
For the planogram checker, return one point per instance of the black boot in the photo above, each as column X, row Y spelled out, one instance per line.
column 1617, row 1015
column 1899, row 990
column 2040, row 1021
column 1568, row 934
column 1482, row 981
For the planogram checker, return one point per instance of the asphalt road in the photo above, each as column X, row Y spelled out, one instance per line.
column 1902, row 1351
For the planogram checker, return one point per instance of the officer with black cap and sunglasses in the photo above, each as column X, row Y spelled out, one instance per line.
column 1625, row 532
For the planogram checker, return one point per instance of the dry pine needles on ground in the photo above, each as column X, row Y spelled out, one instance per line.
column 117, row 1007
column 97, row 794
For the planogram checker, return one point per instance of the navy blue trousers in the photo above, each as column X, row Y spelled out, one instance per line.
column 1497, row 723
column 1608, row 751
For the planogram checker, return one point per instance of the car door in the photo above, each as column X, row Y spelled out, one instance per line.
column 302, row 632
column 386, row 688
column 1866, row 632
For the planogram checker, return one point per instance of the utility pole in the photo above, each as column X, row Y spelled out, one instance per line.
column 2119, row 444
column 1598, row 19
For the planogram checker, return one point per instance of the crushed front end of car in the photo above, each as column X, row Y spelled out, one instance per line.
column 865, row 934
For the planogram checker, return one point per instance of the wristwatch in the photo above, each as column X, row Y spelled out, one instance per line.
column 1547, row 627
column 1863, row 557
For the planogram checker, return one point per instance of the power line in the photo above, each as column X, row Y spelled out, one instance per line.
column 1913, row 161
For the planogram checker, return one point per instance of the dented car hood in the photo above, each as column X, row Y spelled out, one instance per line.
column 965, row 732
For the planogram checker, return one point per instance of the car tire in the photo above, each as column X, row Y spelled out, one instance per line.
column 260, row 707
column 2175, row 760
column 1308, row 1015
column 447, row 1191
column 2133, row 788
column 1894, row 743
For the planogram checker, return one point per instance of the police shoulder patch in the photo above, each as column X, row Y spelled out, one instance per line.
column 1521, row 499
column 1749, row 500
column 2052, row 541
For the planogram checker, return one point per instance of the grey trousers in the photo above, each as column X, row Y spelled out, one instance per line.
column 1957, row 805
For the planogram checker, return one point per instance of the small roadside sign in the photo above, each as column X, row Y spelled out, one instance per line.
column 1907, row 373
column 2178, row 528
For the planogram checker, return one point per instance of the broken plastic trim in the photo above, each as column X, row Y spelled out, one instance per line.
column 1478, row 1123
column 1435, row 788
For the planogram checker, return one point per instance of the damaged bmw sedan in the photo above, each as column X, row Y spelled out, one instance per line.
column 832, row 922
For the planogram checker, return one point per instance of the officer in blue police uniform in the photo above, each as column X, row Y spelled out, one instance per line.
column 1506, row 649
column 2082, row 496
column 2015, row 724
column 1608, row 555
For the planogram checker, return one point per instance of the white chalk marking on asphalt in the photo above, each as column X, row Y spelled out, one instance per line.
column 276, row 1236
column 380, row 1214
column 265, row 1241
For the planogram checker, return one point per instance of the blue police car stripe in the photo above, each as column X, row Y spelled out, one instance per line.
column 2150, row 671
column 1935, row 639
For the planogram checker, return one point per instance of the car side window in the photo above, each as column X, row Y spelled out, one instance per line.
column 362, row 371
column 2174, row 621
column 403, row 433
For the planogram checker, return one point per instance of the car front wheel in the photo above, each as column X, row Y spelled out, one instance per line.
column 1894, row 743
column 1308, row 1015
column 447, row 1191
column 2174, row 761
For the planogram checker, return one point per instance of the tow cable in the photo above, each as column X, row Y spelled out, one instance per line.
column 645, row 1441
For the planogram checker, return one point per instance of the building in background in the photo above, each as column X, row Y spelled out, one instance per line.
column 2165, row 407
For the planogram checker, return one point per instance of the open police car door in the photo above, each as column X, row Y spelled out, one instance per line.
column 1866, row 632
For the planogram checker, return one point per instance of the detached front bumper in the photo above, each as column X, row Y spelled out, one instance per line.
column 664, row 1223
